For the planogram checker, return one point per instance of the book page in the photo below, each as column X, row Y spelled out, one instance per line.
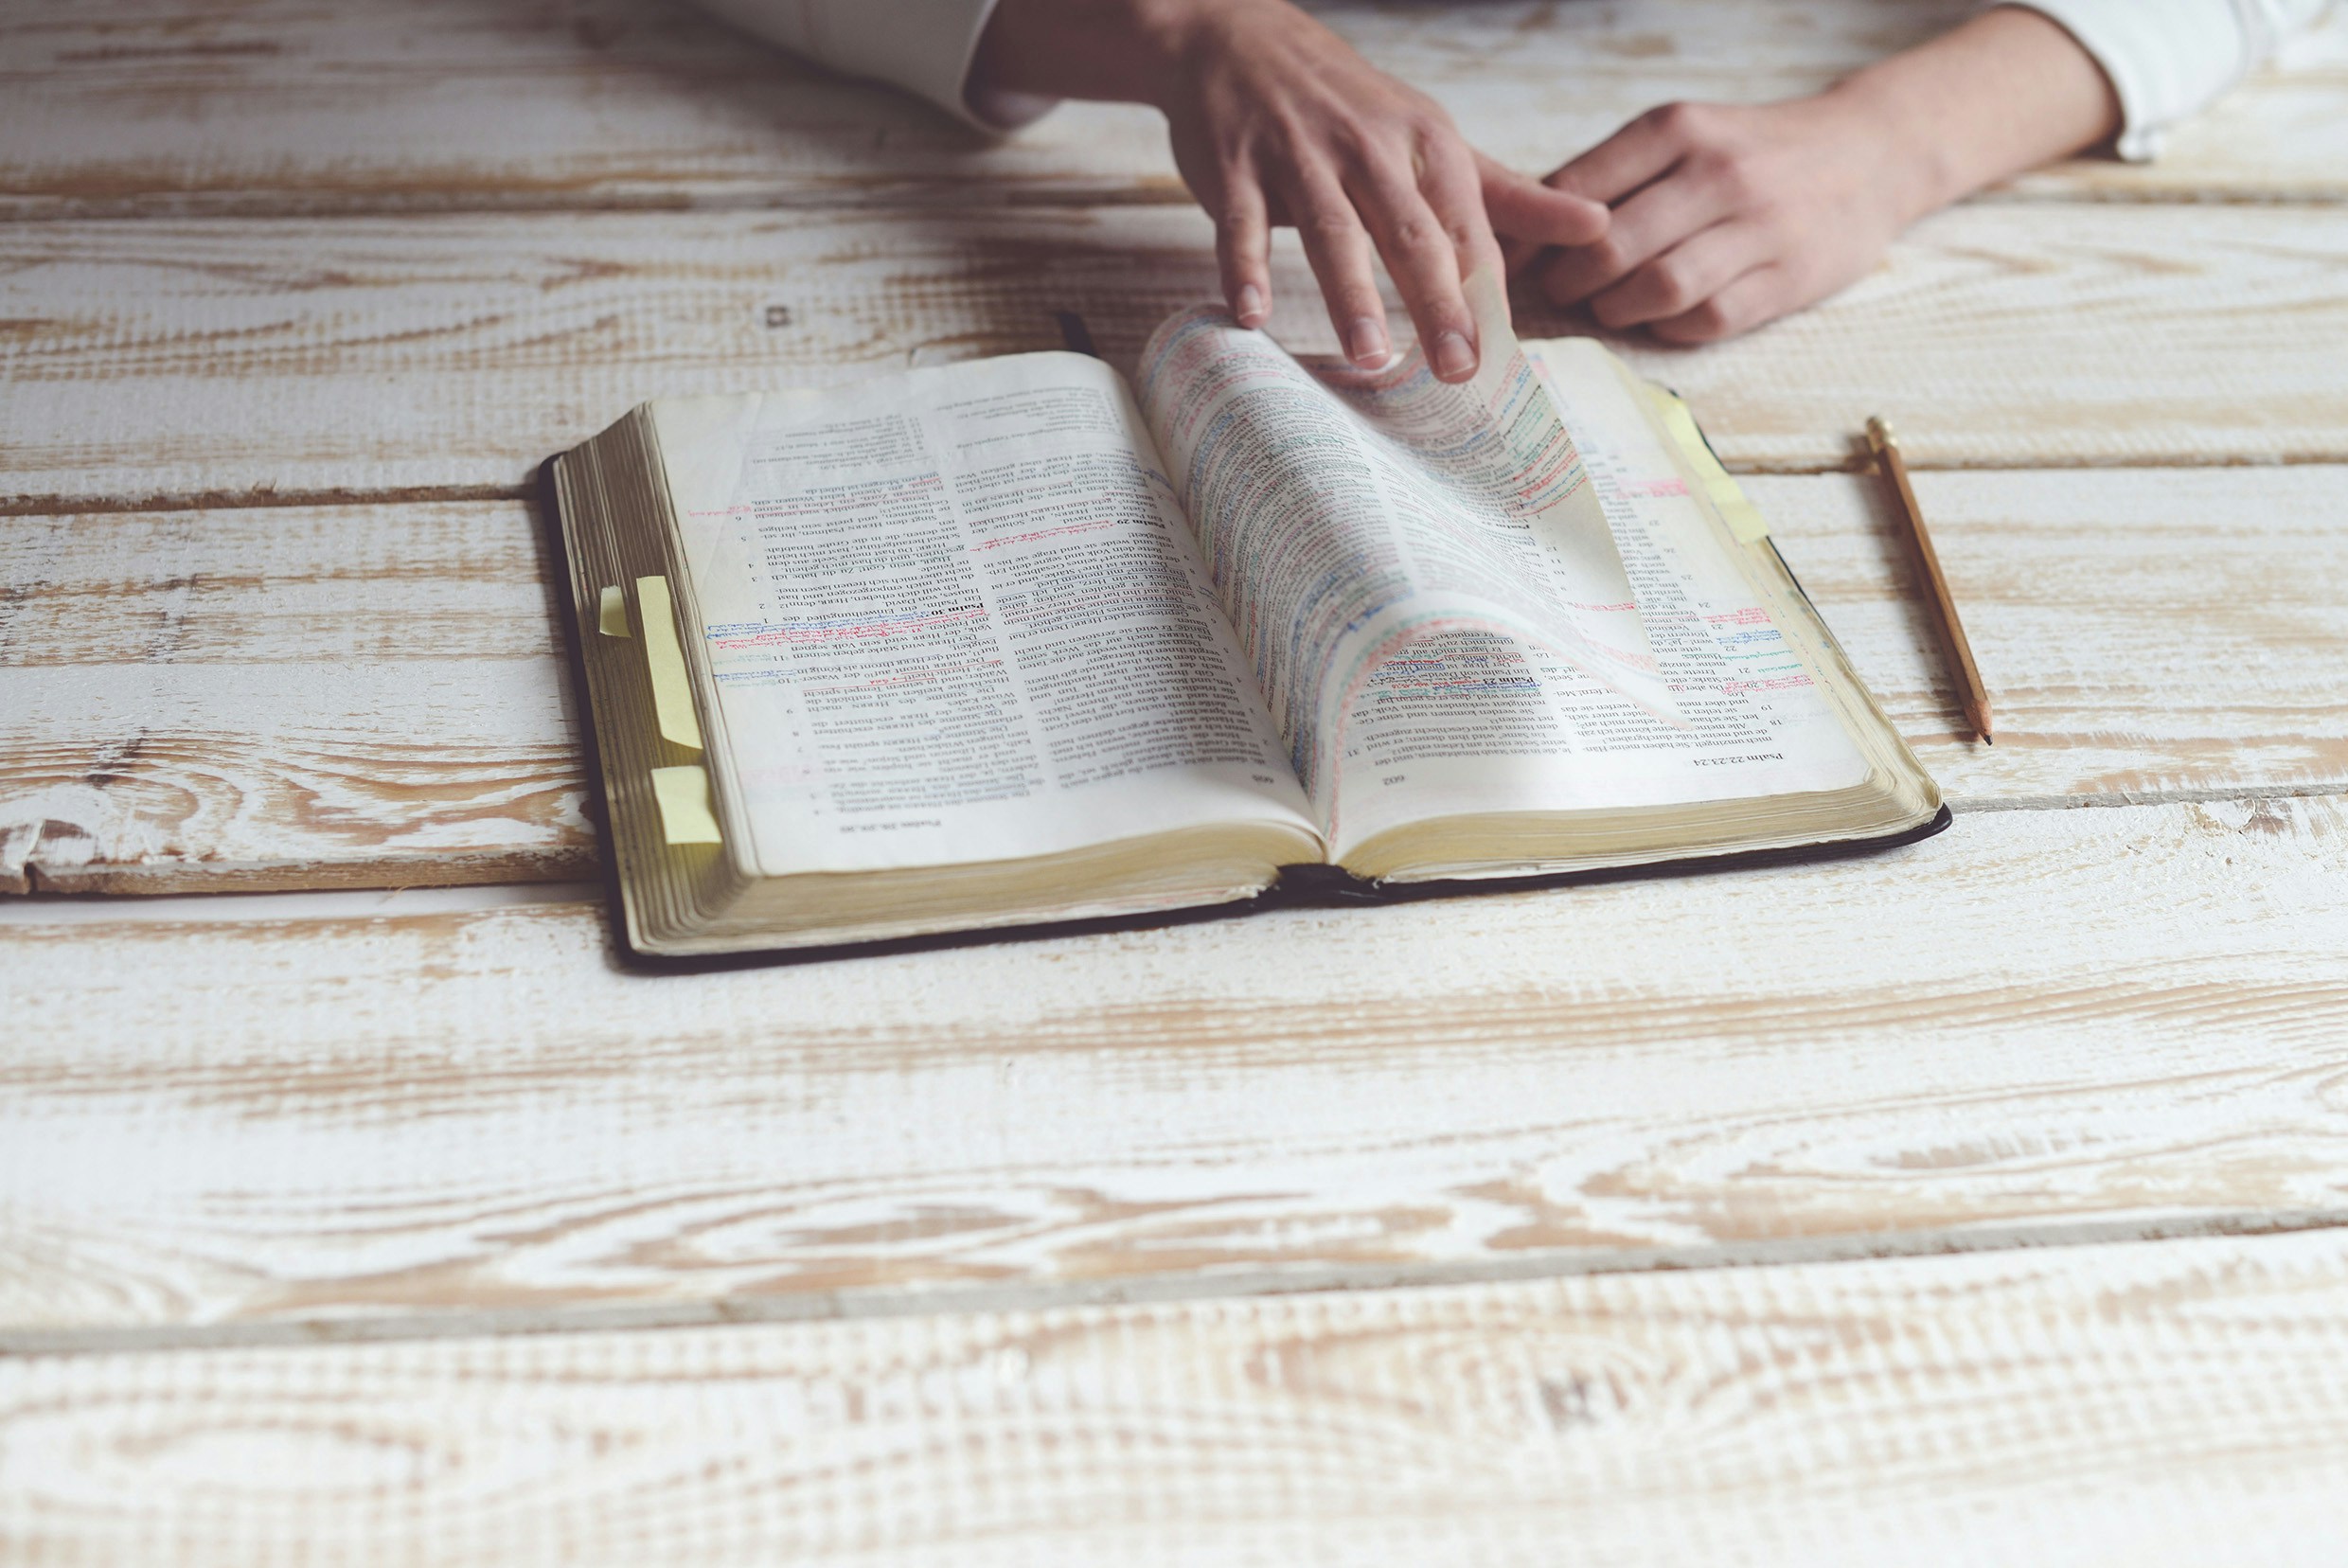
column 956, row 615
column 1474, row 722
column 1346, row 515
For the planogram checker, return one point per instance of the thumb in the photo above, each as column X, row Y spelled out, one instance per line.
column 1524, row 210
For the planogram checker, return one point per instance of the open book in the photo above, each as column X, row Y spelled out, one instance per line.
column 1015, row 642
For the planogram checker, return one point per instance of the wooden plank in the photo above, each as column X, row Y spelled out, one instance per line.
column 166, row 359
column 283, row 696
column 290, row 1123
column 290, row 696
column 2140, row 633
column 2180, row 1402
column 277, row 106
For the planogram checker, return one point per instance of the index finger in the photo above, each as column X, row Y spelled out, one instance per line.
column 1624, row 162
column 1532, row 219
column 1338, row 249
column 1524, row 210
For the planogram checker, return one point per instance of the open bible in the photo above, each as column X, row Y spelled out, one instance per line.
column 1017, row 642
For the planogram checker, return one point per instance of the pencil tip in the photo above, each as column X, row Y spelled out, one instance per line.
column 1988, row 739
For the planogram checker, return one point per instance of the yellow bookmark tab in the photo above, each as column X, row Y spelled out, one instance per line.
column 672, row 695
column 683, row 797
column 612, row 612
column 1744, row 522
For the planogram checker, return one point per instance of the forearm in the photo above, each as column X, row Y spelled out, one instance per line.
column 2000, row 95
column 1121, row 52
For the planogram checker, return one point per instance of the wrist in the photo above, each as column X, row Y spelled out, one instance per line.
column 1174, row 41
column 2005, row 92
column 1923, row 167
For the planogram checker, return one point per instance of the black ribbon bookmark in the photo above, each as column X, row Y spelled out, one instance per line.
column 1074, row 335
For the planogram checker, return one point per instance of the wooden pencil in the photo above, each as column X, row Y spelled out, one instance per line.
column 1971, row 695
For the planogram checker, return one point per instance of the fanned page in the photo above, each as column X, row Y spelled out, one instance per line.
column 1494, row 725
column 956, row 617
column 1347, row 515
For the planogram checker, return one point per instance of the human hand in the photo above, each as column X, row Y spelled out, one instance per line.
column 1277, row 121
column 1728, row 217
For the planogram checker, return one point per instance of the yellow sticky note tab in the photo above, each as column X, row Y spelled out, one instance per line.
column 672, row 694
column 685, row 808
column 612, row 612
column 1744, row 522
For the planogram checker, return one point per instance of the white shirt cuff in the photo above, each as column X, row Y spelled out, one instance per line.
column 2169, row 59
column 925, row 47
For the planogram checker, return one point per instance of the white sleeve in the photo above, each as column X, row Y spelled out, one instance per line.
column 2169, row 59
column 924, row 46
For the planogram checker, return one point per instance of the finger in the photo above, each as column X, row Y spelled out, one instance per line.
column 1630, row 157
column 1685, row 275
column 1453, row 185
column 1243, row 248
column 1760, row 295
column 1424, row 266
column 1338, row 248
column 1526, row 211
column 1451, row 180
column 1644, row 226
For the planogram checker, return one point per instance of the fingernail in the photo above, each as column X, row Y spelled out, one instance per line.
column 1453, row 359
column 1367, row 341
column 1251, row 308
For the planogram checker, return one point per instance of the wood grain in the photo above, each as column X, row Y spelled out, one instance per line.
column 296, row 695
column 279, row 1120
column 299, row 1123
column 139, row 107
column 240, row 359
column 2180, row 1402
column 283, row 696
column 2140, row 633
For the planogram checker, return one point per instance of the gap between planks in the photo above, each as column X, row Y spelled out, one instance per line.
column 37, row 505
column 910, row 196
column 963, row 1301
column 252, row 499
column 46, row 904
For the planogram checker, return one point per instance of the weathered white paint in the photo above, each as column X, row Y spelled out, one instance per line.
column 2127, row 1016
column 396, row 1113
column 2175, row 1403
column 283, row 696
column 296, row 695
column 229, row 357
column 277, row 106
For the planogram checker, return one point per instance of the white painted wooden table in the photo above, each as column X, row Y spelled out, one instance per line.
column 1986, row 1201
